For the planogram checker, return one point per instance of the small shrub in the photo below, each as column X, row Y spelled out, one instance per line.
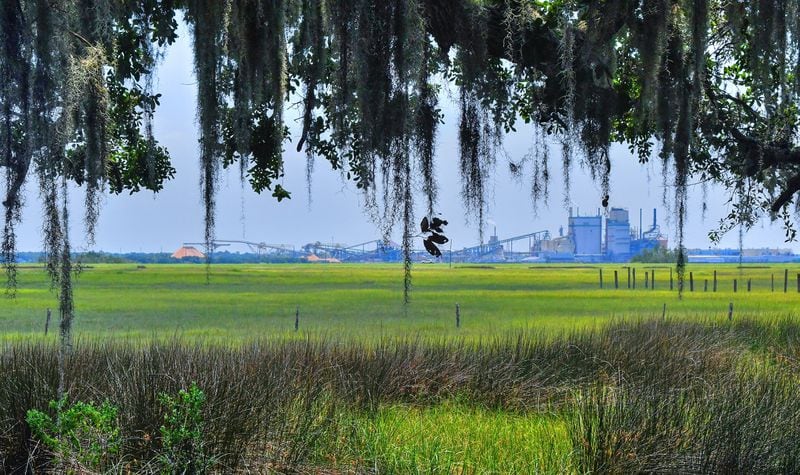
column 182, row 432
column 81, row 434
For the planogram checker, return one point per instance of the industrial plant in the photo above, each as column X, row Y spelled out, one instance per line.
column 594, row 238
column 589, row 238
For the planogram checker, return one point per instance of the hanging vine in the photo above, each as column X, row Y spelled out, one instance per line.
column 426, row 124
column 207, row 20
column 16, row 149
column 567, row 60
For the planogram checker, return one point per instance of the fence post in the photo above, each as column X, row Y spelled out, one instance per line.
column 634, row 278
column 715, row 280
column 601, row 278
column 750, row 282
column 652, row 279
column 691, row 281
column 798, row 282
column 47, row 322
column 629, row 277
column 670, row 278
column 296, row 318
column 735, row 285
column 616, row 280
column 705, row 285
column 773, row 283
column 664, row 312
column 785, row 280
column 646, row 279
column 730, row 311
column 458, row 316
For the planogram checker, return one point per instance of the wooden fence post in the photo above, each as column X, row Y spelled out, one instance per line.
column 634, row 278
column 735, row 285
column 664, row 312
column 616, row 280
column 629, row 277
column 670, row 278
column 652, row 279
column 691, row 281
column 750, row 283
column 601, row 278
column 773, row 283
column 715, row 280
column 47, row 322
column 730, row 311
column 646, row 279
column 458, row 316
column 785, row 280
column 705, row 285
column 296, row 318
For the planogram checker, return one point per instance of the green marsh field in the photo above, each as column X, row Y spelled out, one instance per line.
column 243, row 302
column 176, row 371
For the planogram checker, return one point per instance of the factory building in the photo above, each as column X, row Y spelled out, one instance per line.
column 586, row 234
column 618, row 234
column 599, row 239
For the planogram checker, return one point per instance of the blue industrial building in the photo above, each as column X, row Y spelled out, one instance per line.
column 618, row 234
column 586, row 233
column 595, row 239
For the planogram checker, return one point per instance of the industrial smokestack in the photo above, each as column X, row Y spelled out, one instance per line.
column 654, row 218
column 640, row 223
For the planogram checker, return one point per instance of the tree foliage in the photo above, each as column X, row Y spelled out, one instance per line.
column 708, row 87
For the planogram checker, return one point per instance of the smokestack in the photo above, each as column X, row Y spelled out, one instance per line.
column 570, row 211
column 640, row 223
column 654, row 218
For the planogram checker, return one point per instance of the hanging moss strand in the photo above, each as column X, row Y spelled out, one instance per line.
column 16, row 150
column 206, row 18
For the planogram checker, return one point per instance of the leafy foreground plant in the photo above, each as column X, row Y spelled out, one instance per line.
column 182, row 432
column 85, row 437
column 82, row 435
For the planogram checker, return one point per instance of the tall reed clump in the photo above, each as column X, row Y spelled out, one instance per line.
column 740, row 415
column 640, row 396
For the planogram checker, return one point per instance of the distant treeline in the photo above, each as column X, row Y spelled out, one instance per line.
column 99, row 257
column 656, row 255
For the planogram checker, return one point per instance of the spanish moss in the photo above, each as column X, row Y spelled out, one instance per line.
column 427, row 118
column 567, row 63
column 206, row 19
column 15, row 146
column 540, row 179
column 476, row 142
column 408, row 227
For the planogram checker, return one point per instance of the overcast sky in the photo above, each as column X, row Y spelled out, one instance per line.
column 163, row 221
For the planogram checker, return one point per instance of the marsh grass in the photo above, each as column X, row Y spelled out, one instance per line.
column 641, row 395
column 454, row 438
column 362, row 302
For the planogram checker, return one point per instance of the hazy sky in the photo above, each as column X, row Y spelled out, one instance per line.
column 163, row 221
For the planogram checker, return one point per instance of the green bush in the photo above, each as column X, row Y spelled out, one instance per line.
column 81, row 434
column 657, row 255
column 182, row 432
